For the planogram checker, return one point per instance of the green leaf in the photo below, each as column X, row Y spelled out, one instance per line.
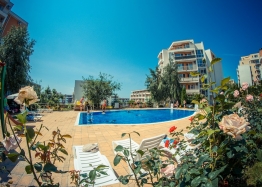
column 194, row 74
column 215, row 182
column 143, row 181
column 41, row 146
column 123, row 134
column 22, row 153
column 215, row 60
column 224, row 81
column 18, row 127
column 119, row 148
column 141, row 152
column 63, row 151
column 208, row 109
column 200, row 116
column 196, row 181
column 22, row 117
column 210, row 69
column 117, row 159
column 38, row 166
column 212, row 175
column 178, row 172
column 100, row 167
column 103, row 172
column 50, row 167
column 30, row 134
column 92, row 175
column 13, row 156
column 195, row 102
column 201, row 160
column 136, row 133
column 126, row 152
column 28, row 169
column 203, row 78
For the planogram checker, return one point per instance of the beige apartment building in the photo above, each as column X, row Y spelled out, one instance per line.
column 140, row 95
column 250, row 68
column 191, row 57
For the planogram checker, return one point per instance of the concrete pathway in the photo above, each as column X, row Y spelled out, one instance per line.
column 101, row 134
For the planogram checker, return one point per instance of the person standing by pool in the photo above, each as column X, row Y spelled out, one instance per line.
column 104, row 106
column 82, row 100
column 87, row 107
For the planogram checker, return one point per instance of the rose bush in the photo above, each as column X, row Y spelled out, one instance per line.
column 229, row 141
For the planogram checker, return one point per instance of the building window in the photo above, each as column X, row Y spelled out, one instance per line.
column 19, row 23
column 201, row 63
column 199, row 53
column 186, row 45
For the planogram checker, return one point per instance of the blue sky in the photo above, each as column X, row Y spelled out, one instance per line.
column 75, row 39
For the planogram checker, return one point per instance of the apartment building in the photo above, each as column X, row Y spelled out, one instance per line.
column 140, row 95
column 250, row 68
column 191, row 57
column 9, row 18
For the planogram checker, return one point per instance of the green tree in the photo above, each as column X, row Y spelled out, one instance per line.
column 51, row 97
column 100, row 88
column 155, row 85
column 171, row 82
column 15, row 52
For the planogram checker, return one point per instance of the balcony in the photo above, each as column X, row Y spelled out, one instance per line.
column 189, row 79
column 193, row 91
column 193, row 57
column 187, row 68
column 160, row 61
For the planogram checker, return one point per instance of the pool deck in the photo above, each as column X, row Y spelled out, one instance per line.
column 81, row 135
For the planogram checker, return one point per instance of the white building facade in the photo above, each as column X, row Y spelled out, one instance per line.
column 140, row 95
column 191, row 57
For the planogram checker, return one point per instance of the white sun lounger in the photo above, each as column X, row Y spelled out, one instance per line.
column 145, row 145
column 82, row 161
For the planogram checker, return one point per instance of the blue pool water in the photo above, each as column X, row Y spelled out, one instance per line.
column 132, row 116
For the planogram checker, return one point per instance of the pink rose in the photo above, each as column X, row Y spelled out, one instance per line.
column 221, row 93
column 249, row 97
column 168, row 170
column 244, row 85
column 236, row 93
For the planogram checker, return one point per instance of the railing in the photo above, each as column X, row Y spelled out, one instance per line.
column 184, row 57
column 189, row 79
column 192, row 91
column 187, row 68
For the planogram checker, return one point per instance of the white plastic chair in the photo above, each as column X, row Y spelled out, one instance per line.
column 82, row 161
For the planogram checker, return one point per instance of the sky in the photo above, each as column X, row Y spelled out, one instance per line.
column 122, row 38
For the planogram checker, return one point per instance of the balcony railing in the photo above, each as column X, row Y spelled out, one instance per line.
column 184, row 57
column 189, row 79
column 192, row 91
column 187, row 68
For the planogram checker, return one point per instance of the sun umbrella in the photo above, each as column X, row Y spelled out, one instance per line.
column 13, row 96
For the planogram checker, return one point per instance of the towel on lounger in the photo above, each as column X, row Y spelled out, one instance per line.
column 90, row 148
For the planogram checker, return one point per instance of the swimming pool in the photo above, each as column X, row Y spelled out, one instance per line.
column 131, row 117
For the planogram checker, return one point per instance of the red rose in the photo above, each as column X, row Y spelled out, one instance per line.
column 175, row 142
column 167, row 143
column 172, row 129
column 260, row 95
column 191, row 118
